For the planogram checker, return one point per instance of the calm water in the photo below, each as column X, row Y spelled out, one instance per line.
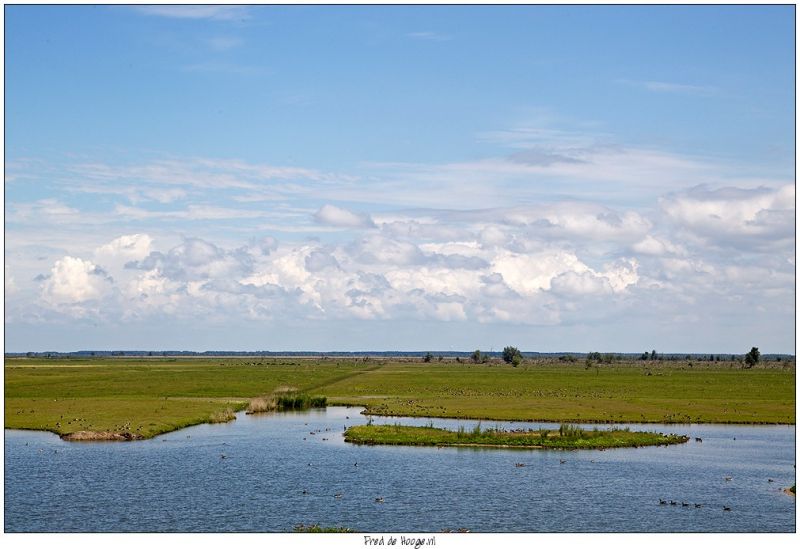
column 181, row 482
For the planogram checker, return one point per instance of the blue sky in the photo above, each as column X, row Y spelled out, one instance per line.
column 396, row 177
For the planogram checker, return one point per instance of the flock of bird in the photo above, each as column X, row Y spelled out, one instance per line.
column 727, row 478
column 381, row 499
column 315, row 431
column 684, row 504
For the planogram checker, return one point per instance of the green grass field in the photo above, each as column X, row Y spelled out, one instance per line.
column 151, row 396
column 148, row 396
column 552, row 391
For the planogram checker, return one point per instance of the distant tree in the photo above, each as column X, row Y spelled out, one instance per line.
column 509, row 353
column 653, row 355
column 477, row 357
column 516, row 360
column 645, row 356
column 752, row 358
column 594, row 359
column 428, row 357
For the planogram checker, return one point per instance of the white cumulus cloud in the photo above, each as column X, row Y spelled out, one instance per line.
column 128, row 247
column 734, row 216
column 74, row 280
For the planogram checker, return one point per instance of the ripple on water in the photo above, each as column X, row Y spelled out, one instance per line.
column 275, row 474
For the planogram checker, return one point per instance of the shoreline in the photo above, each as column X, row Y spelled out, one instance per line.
column 126, row 436
column 511, row 446
column 93, row 436
column 367, row 412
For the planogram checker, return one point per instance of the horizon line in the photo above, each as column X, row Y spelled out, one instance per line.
column 452, row 352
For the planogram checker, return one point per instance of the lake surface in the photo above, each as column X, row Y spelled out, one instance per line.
column 275, row 473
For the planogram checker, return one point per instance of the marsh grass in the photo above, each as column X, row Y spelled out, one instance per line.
column 260, row 405
column 285, row 401
column 573, row 432
column 223, row 416
column 299, row 401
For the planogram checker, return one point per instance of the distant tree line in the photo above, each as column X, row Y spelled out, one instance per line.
column 509, row 355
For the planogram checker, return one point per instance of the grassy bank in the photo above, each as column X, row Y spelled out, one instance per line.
column 566, row 438
column 147, row 397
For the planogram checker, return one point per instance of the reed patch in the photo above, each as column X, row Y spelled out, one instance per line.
column 222, row 416
column 285, row 401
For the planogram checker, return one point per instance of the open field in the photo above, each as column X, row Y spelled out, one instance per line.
column 557, row 392
column 146, row 396
column 566, row 438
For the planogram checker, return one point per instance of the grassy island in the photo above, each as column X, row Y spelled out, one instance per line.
column 318, row 529
column 567, row 437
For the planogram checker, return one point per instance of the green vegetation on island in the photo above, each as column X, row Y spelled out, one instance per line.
column 317, row 529
column 567, row 437
column 129, row 398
